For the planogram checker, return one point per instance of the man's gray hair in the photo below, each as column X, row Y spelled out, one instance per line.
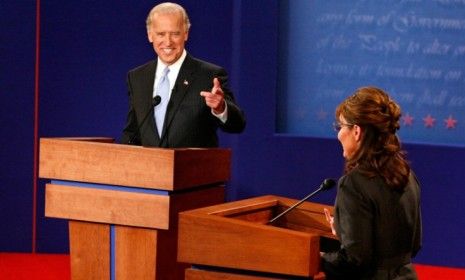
column 168, row 8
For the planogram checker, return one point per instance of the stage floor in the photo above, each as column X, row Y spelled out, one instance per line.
column 19, row 266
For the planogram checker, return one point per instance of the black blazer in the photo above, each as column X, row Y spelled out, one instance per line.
column 379, row 229
column 188, row 121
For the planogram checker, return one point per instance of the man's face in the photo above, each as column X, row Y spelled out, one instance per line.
column 168, row 36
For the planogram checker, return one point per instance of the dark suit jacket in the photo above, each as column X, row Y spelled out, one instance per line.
column 188, row 121
column 379, row 229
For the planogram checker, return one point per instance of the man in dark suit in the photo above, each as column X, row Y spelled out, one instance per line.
column 199, row 101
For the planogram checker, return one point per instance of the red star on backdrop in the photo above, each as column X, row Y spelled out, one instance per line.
column 407, row 120
column 429, row 121
column 450, row 122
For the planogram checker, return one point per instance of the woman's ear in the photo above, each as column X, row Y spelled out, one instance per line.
column 357, row 133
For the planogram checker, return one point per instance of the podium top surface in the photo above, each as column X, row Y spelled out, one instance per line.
column 98, row 160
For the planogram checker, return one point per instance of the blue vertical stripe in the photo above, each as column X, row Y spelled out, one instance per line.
column 112, row 252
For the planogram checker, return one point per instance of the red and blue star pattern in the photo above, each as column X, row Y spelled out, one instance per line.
column 408, row 120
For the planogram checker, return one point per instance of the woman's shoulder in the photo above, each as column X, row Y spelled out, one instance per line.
column 360, row 182
column 354, row 176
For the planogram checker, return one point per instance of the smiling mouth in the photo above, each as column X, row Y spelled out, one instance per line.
column 168, row 51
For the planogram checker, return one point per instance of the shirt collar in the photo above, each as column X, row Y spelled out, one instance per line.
column 174, row 68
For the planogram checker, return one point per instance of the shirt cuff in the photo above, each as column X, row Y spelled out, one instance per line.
column 223, row 117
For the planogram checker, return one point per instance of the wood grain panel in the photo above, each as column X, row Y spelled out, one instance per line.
column 199, row 274
column 135, row 253
column 232, row 243
column 167, row 266
column 107, row 206
column 89, row 250
column 134, row 166
column 195, row 274
column 237, row 235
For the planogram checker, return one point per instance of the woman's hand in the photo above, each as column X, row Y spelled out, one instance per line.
column 330, row 220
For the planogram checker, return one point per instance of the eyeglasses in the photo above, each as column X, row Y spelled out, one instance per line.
column 337, row 125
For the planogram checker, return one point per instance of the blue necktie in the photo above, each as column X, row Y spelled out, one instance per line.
column 163, row 90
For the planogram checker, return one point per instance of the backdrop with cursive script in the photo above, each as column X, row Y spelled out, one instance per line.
column 413, row 49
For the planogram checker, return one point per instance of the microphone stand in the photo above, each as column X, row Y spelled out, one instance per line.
column 295, row 205
column 327, row 184
column 155, row 101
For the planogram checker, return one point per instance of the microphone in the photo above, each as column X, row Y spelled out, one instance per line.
column 326, row 185
column 155, row 101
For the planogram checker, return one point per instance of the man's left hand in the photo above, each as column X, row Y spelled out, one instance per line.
column 215, row 98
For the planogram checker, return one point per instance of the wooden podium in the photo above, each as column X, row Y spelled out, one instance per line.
column 234, row 240
column 122, row 202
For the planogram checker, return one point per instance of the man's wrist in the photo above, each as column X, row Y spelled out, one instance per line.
column 223, row 116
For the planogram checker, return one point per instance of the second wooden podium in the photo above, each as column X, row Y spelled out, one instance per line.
column 234, row 240
column 122, row 202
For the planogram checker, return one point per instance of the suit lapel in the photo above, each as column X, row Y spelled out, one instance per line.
column 148, row 81
column 180, row 89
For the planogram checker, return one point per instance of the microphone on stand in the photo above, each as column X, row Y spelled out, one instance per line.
column 155, row 101
column 326, row 185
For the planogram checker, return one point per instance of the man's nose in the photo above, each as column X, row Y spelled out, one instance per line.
column 168, row 39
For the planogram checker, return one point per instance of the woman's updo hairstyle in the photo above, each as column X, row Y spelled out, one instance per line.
column 380, row 152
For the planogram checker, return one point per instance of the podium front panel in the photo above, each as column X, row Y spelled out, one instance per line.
column 107, row 204
column 235, row 235
column 132, row 166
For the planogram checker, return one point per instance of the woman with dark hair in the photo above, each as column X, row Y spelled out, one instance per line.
column 377, row 210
